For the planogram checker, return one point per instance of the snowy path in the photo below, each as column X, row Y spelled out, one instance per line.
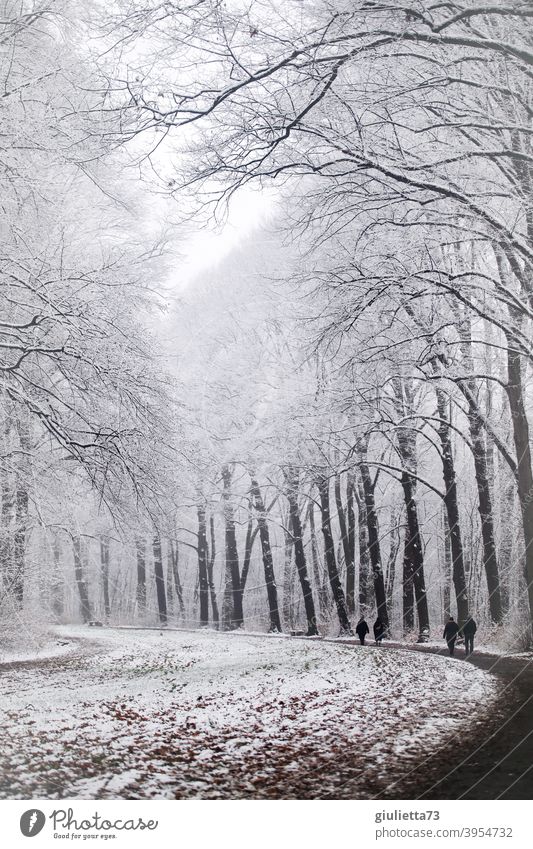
column 132, row 714
column 495, row 760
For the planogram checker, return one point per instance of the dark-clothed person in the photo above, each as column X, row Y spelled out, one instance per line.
column 469, row 629
column 379, row 630
column 451, row 629
column 362, row 630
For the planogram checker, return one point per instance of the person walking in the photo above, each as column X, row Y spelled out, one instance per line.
column 468, row 631
column 379, row 630
column 451, row 629
column 362, row 630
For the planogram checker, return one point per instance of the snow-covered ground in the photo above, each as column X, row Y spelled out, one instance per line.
column 139, row 714
column 37, row 650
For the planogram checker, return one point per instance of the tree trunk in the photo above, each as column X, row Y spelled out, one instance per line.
column 140, row 545
column 507, row 503
column 81, row 582
column 203, row 581
column 173, row 548
column 394, row 537
column 270, row 580
column 210, row 567
column 515, row 394
column 329, row 550
column 319, row 584
column 19, row 541
column 57, row 583
column 479, row 448
column 289, row 573
column 452, row 507
column 21, row 509
column 251, row 534
column 169, row 584
column 364, row 552
column 291, row 478
column 414, row 545
column 448, row 564
column 350, row 567
column 408, row 597
column 233, row 595
column 104, row 565
column 406, row 436
column 373, row 534
column 347, row 549
column 160, row 581
column 8, row 496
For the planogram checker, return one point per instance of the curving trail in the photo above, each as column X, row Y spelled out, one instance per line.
column 497, row 761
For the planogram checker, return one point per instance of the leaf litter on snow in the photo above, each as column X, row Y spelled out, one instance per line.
column 197, row 715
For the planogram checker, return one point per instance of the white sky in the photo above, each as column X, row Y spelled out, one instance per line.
column 207, row 247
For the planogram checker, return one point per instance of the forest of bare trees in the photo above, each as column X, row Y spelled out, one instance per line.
column 331, row 421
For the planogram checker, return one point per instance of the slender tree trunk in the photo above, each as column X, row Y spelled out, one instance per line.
column 329, row 549
column 19, row 541
column 6, row 530
column 414, row 543
column 173, row 548
column 233, row 595
column 21, row 509
column 203, row 580
column 479, row 448
column 507, row 537
column 210, row 567
column 81, row 581
column 515, row 394
column 8, row 495
column 364, row 551
column 104, row 565
column 140, row 546
column 159, row 581
column 289, row 575
column 373, row 535
column 406, row 435
column 347, row 549
column 169, row 584
column 270, row 579
column 452, row 506
column 291, row 478
column 350, row 565
column 408, row 613
column 319, row 584
column 251, row 534
column 448, row 564
column 394, row 537
column 57, row 583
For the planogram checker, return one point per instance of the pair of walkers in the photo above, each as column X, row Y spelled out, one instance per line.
column 362, row 630
column 452, row 631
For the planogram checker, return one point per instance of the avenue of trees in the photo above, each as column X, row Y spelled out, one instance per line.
column 335, row 420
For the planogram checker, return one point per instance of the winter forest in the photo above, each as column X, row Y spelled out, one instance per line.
column 318, row 413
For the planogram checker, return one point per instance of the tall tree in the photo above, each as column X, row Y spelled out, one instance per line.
column 203, row 565
column 452, row 505
column 159, row 580
column 292, row 482
column 268, row 565
column 373, row 530
column 322, row 482
column 232, row 610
